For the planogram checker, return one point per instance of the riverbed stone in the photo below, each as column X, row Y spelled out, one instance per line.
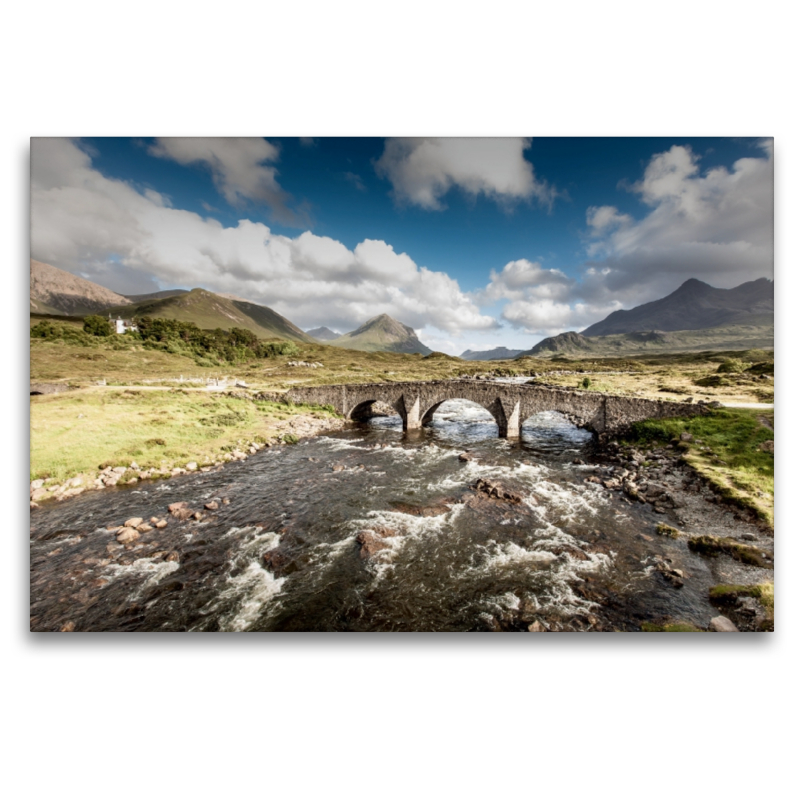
column 162, row 523
column 496, row 491
column 127, row 535
column 212, row 506
column 176, row 506
column 133, row 522
column 144, row 528
column 723, row 625
column 37, row 484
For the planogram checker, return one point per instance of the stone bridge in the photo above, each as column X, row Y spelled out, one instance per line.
column 510, row 404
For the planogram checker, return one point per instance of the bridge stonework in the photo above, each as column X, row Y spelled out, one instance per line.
column 510, row 404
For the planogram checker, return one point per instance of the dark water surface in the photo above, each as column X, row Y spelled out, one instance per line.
column 571, row 556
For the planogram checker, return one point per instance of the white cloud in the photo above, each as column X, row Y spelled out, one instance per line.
column 422, row 171
column 716, row 226
column 105, row 229
column 242, row 168
column 523, row 279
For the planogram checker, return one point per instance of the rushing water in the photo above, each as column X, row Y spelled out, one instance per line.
column 571, row 556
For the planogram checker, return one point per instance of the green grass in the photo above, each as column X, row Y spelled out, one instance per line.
column 725, row 450
column 78, row 433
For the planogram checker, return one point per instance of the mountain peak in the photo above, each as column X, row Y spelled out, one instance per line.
column 694, row 305
column 383, row 333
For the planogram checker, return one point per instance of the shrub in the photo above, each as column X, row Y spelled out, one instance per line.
column 731, row 365
column 586, row 383
column 97, row 326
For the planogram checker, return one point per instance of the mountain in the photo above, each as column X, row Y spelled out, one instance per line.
column 56, row 291
column 731, row 337
column 498, row 354
column 382, row 333
column 208, row 310
column 323, row 334
column 695, row 306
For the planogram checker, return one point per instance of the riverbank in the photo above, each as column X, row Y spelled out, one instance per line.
column 734, row 539
column 99, row 437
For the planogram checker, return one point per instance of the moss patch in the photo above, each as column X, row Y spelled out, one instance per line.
column 662, row 529
column 714, row 545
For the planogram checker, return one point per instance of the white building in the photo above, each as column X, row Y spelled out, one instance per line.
column 122, row 325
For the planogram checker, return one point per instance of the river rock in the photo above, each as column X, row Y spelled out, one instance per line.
column 68, row 627
column 226, row 501
column 37, row 484
column 133, row 522
column 212, row 506
column 192, row 465
column 466, row 457
column 496, row 491
column 144, row 528
column 537, row 627
column 371, row 541
column 723, row 625
column 173, row 556
column 38, row 494
column 176, row 506
column 127, row 535
column 162, row 523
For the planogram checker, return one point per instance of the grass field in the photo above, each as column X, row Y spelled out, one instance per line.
column 79, row 433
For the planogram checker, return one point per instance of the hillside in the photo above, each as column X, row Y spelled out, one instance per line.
column 498, row 354
column 209, row 311
column 140, row 298
column 731, row 337
column 382, row 333
column 695, row 306
column 55, row 291
column 323, row 334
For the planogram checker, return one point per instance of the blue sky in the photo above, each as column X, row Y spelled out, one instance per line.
column 475, row 243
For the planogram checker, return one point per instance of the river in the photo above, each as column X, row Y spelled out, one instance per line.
column 570, row 556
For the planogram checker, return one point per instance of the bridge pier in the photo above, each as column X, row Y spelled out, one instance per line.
column 412, row 419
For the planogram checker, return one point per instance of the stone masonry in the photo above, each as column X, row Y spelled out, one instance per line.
column 510, row 404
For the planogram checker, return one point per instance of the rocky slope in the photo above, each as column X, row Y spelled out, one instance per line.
column 54, row 290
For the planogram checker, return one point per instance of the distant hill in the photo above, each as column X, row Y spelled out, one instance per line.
column 695, row 306
column 140, row 298
column 382, row 333
column 730, row 337
column 209, row 310
column 323, row 334
column 55, row 291
column 498, row 354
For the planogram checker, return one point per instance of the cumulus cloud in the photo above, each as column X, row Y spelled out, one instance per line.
column 716, row 226
column 108, row 231
column 541, row 301
column 422, row 171
column 242, row 168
